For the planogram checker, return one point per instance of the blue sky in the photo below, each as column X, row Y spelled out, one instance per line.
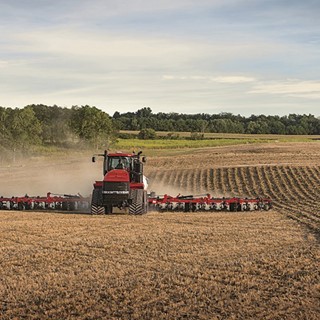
column 188, row 56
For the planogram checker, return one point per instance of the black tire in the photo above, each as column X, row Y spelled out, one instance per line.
column 233, row 207
column 266, row 207
column 139, row 202
column 64, row 206
column 96, row 207
column 72, row 206
column 108, row 209
column 21, row 206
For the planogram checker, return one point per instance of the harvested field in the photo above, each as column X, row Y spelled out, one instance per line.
column 254, row 265
column 170, row 266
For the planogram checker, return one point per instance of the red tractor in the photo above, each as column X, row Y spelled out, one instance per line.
column 123, row 185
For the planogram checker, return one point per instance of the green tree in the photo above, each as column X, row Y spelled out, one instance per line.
column 5, row 142
column 24, row 127
column 4, row 134
column 134, row 124
column 277, row 127
column 54, row 122
column 258, row 127
column 92, row 125
column 145, row 112
column 147, row 133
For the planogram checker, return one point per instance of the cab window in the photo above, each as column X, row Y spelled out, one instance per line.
column 118, row 163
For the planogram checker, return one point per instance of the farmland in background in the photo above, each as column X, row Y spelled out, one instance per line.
column 255, row 265
column 165, row 144
column 236, row 136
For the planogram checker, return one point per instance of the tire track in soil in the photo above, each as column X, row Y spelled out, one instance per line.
column 282, row 188
column 230, row 182
column 244, row 180
column 296, row 200
column 294, row 209
column 300, row 182
column 172, row 177
column 163, row 178
column 206, row 180
column 301, row 196
column 283, row 181
column 177, row 180
column 226, row 181
column 183, row 180
column 317, row 170
column 212, row 182
column 234, row 182
column 274, row 194
column 190, row 179
column 310, row 173
column 197, row 180
column 252, row 181
column 260, row 183
column 219, row 182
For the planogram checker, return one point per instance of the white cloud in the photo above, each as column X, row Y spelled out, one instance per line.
column 184, row 77
column 220, row 79
column 292, row 88
column 184, row 54
column 233, row 79
column 98, row 9
column 3, row 63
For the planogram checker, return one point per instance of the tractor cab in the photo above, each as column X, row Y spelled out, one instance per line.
column 118, row 162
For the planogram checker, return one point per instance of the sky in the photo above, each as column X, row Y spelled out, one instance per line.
column 187, row 56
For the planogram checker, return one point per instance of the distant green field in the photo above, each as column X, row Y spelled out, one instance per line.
column 183, row 143
column 237, row 136
column 182, row 146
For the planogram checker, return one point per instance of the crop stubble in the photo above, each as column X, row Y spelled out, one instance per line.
column 251, row 171
column 171, row 266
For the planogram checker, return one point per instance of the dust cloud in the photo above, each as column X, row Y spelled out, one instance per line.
column 76, row 174
column 41, row 175
column 162, row 188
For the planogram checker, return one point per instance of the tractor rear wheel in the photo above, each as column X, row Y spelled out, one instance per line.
column 139, row 202
column 96, row 207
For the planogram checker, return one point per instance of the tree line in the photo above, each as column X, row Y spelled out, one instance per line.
column 291, row 124
column 22, row 128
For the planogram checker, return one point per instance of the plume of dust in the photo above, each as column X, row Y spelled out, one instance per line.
column 63, row 176
column 161, row 188
column 72, row 175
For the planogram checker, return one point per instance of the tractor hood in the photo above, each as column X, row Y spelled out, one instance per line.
column 117, row 175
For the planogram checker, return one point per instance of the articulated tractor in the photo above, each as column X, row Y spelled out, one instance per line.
column 123, row 185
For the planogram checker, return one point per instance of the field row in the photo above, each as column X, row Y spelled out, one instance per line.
column 294, row 190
